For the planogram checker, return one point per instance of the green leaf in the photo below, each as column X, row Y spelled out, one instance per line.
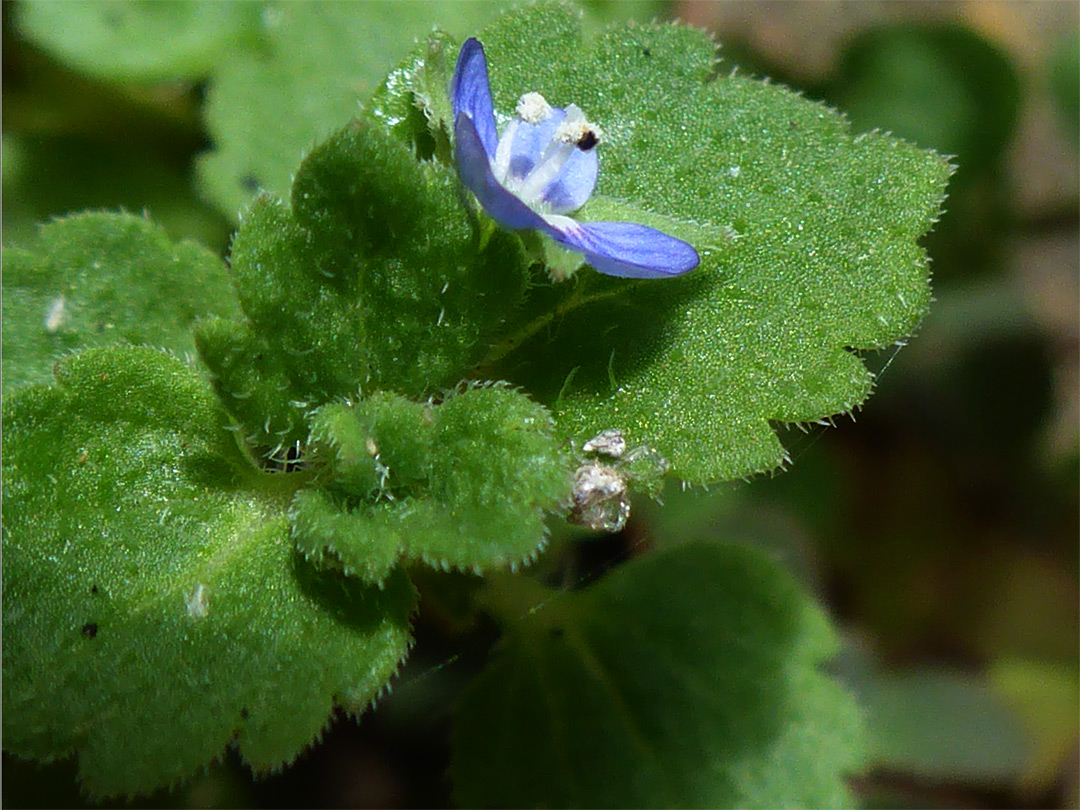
column 687, row 678
column 314, row 63
column 100, row 279
column 808, row 238
column 155, row 608
column 374, row 278
column 152, row 40
column 465, row 484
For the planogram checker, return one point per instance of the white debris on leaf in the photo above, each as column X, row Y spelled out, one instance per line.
column 610, row 442
column 55, row 314
column 198, row 602
column 599, row 500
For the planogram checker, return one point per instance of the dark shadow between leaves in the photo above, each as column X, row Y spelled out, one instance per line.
column 352, row 603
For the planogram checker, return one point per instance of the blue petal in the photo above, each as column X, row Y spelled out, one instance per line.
column 575, row 183
column 474, row 167
column 528, row 141
column 470, row 93
column 624, row 249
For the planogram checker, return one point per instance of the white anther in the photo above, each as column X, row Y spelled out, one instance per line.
column 576, row 129
column 532, row 108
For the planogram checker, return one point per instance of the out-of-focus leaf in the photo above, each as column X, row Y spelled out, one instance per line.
column 51, row 176
column 941, row 724
column 1044, row 695
column 315, row 64
column 139, row 40
column 687, row 678
column 1065, row 83
column 942, row 87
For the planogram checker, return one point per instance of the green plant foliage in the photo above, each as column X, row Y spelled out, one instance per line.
column 1046, row 696
column 687, row 678
column 808, row 238
column 155, row 609
column 315, row 62
column 156, row 579
column 373, row 279
column 941, row 86
column 137, row 40
column 463, row 484
column 99, row 279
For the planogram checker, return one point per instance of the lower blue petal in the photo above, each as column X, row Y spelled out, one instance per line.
column 624, row 249
column 474, row 167
column 574, row 184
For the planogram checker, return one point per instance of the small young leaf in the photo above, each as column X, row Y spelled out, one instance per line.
column 380, row 446
column 687, row 678
column 375, row 278
column 250, row 382
column 155, row 609
column 807, row 235
column 101, row 279
column 464, row 484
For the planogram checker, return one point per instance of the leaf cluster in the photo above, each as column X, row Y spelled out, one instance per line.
column 388, row 379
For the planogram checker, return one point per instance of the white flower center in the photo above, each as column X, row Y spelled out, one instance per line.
column 574, row 132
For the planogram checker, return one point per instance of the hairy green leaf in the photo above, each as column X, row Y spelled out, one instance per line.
column 808, row 237
column 463, row 484
column 374, row 278
column 99, row 279
column 155, row 609
column 687, row 678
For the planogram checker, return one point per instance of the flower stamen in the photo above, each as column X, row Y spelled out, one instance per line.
column 532, row 108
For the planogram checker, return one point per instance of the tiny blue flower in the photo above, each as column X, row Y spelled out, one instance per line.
column 544, row 167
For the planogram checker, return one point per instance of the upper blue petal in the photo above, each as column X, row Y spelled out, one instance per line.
column 625, row 249
column 471, row 94
column 474, row 167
